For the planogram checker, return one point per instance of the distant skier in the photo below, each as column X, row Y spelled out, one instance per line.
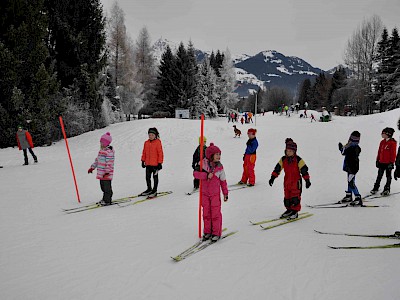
column 24, row 141
column 152, row 159
column 213, row 179
column 196, row 161
column 249, row 159
column 295, row 168
column 351, row 151
column 105, row 168
column 313, row 118
column 385, row 160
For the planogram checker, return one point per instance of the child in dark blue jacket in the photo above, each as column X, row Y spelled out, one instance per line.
column 351, row 151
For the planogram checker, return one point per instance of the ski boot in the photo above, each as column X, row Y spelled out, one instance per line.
column 241, row 182
column 386, row 192
column 146, row 192
column 293, row 215
column 357, row 201
column 215, row 238
column 206, row 236
column 152, row 194
column 103, row 203
column 286, row 214
column 347, row 198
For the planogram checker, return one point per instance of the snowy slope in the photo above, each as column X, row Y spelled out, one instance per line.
column 124, row 253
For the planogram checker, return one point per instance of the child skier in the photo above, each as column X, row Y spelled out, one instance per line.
column 385, row 160
column 105, row 168
column 213, row 179
column 24, row 141
column 351, row 151
column 152, row 159
column 196, row 161
column 249, row 159
column 295, row 168
column 397, row 171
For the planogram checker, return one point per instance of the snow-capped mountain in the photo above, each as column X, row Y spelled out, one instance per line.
column 266, row 69
column 274, row 69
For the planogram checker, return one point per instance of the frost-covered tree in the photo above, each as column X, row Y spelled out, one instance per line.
column 204, row 102
column 226, row 84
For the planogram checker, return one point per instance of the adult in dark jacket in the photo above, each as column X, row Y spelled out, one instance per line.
column 24, row 141
column 351, row 163
column 196, row 162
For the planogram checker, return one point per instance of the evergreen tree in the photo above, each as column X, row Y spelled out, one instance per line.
column 338, row 81
column 382, row 60
column 204, row 103
column 77, row 45
column 392, row 94
column 167, row 91
column 305, row 92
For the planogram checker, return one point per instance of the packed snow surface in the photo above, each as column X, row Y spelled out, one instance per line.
column 125, row 253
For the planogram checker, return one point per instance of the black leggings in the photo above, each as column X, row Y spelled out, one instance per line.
column 152, row 170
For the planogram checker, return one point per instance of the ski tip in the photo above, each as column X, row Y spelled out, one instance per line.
column 332, row 247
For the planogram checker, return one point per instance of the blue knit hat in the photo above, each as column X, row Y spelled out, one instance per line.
column 355, row 137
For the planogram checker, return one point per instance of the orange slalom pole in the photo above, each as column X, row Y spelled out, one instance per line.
column 70, row 159
column 201, row 167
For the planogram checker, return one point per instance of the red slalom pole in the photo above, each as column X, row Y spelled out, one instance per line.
column 70, row 159
column 201, row 168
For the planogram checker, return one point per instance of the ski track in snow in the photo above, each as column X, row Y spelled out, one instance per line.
column 114, row 253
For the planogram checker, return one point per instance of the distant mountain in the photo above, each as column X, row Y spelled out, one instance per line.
column 274, row 69
column 267, row 68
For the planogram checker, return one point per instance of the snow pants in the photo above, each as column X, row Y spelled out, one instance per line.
column 351, row 185
column 106, row 188
column 383, row 168
column 248, row 169
column 212, row 216
column 292, row 199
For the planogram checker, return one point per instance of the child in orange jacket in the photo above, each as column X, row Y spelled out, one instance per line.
column 152, row 159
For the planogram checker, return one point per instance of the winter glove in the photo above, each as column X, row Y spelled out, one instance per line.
column 159, row 166
column 377, row 164
column 244, row 156
column 308, row 183
column 396, row 173
column 390, row 167
column 340, row 145
column 271, row 181
column 143, row 164
column 193, row 166
column 226, row 198
column 90, row 171
column 105, row 175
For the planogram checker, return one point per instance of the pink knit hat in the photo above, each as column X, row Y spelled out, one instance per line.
column 211, row 150
column 106, row 139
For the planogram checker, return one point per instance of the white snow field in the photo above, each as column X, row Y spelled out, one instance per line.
column 125, row 253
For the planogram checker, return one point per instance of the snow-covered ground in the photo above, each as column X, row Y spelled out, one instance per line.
column 124, row 253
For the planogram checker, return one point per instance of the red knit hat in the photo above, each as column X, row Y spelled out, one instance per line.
column 211, row 150
column 252, row 131
column 106, row 139
column 291, row 146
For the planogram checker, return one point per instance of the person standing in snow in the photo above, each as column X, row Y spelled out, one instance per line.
column 397, row 171
column 249, row 159
column 24, row 141
column 213, row 179
column 105, row 168
column 196, row 161
column 152, row 160
column 385, row 160
column 295, row 168
column 351, row 151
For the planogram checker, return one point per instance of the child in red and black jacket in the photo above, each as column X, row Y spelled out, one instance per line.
column 385, row 160
column 295, row 168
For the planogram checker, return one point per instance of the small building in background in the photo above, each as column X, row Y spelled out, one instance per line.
column 181, row 113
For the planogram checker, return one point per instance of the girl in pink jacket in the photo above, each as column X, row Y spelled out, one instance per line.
column 213, row 180
column 105, row 168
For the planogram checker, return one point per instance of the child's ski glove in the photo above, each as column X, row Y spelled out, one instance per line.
column 159, row 166
column 396, row 173
column 271, row 181
column 390, row 167
column 308, row 183
column 143, row 164
column 340, row 145
column 90, row 170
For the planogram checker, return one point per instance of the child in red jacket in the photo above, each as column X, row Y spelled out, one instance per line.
column 385, row 160
column 295, row 168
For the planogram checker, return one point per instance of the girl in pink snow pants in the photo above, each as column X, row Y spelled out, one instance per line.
column 213, row 180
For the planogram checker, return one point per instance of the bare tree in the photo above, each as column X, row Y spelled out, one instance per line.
column 360, row 53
